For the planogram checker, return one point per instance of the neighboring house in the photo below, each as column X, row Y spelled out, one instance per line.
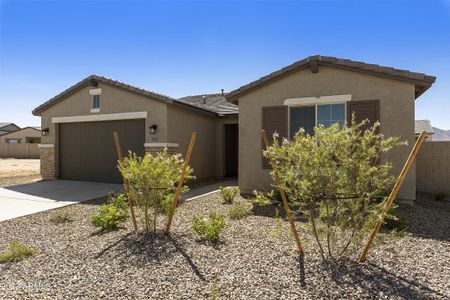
column 78, row 126
column 424, row 125
column 27, row 135
column 440, row 134
column 324, row 90
column 6, row 127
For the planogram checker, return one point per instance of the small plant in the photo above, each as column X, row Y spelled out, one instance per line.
column 215, row 289
column 278, row 231
column 228, row 194
column 209, row 228
column 440, row 196
column 335, row 178
column 153, row 179
column 111, row 214
column 395, row 220
column 59, row 217
column 16, row 252
column 239, row 211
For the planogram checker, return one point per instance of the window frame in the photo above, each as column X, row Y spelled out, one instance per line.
column 315, row 112
column 95, row 109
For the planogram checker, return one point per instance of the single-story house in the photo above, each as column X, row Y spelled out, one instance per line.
column 7, row 127
column 424, row 125
column 325, row 90
column 78, row 123
column 27, row 135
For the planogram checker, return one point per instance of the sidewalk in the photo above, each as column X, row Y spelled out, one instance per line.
column 207, row 189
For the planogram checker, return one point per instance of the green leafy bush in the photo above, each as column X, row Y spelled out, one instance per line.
column 59, row 217
column 16, row 252
column 152, row 180
column 111, row 214
column 395, row 220
column 239, row 211
column 228, row 194
column 336, row 177
column 209, row 228
column 440, row 196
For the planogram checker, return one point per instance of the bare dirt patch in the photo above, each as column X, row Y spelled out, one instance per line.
column 18, row 171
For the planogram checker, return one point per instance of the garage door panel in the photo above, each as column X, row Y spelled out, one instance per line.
column 87, row 150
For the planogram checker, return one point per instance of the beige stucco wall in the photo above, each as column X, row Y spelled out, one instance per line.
column 175, row 124
column 21, row 134
column 181, row 124
column 112, row 100
column 396, row 114
column 19, row 150
column 433, row 167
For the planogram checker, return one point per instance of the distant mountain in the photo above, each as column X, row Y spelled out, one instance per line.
column 441, row 135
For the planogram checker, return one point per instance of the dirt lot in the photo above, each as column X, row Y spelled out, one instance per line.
column 17, row 171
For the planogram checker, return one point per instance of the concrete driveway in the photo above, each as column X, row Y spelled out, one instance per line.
column 21, row 200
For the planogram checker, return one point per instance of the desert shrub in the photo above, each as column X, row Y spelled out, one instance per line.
column 16, row 252
column 335, row 177
column 395, row 220
column 440, row 196
column 209, row 228
column 239, row 211
column 152, row 179
column 272, row 197
column 111, row 214
column 59, row 217
column 228, row 194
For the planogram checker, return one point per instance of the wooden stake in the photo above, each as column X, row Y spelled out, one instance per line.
column 283, row 196
column 393, row 194
column 180, row 182
column 125, row 181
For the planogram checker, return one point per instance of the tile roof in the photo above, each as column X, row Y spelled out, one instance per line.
column 92, row 80
column 212, row 102
column 422, row 81
column 423, row 125
column 3, row 124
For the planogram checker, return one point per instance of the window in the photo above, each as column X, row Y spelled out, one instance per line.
column 307, row 117
column 96, row 102
column 13, row 141
column 328, row 114
column 302, row 117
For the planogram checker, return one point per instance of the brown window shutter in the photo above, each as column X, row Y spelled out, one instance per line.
column 274, row 119
column 369, row 109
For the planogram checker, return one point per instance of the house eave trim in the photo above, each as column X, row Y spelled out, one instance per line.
column 101, row 117
column 161, row 145
column 318, row 100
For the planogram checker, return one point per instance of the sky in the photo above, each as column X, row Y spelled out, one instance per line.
column 180, row 48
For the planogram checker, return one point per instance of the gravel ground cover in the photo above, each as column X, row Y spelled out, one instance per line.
column 255, row 260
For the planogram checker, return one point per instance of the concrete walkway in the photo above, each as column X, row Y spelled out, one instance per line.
column 208, row 189
column 21, row 200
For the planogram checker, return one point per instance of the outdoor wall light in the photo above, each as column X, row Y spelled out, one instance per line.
column 153, row 129
column 45, row 131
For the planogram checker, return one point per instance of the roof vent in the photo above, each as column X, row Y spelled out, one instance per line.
column 204, row 99
column 221, row 91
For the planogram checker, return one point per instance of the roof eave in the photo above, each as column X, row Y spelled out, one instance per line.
column 314, row 61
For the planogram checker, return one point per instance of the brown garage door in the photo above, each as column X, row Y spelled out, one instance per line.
column 87, row 150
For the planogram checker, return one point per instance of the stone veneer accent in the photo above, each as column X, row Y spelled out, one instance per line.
column 47, row 154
